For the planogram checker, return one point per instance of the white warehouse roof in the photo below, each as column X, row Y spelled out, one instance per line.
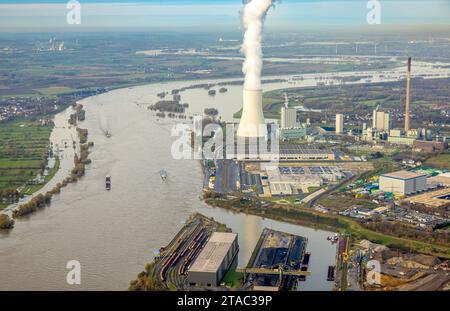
column 212, row 255
column 403, row 175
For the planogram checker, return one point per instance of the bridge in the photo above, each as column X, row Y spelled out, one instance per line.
column 273, row 271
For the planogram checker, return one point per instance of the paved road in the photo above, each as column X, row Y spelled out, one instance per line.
column 227, row 172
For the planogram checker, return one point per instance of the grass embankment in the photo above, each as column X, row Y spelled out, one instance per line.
column 441, row 161
column 311, row 218
column 271, row 108
column 55, row 90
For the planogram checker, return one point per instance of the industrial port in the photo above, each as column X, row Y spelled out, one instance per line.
column 280, row 261
column 204, row 251
column 171, row 265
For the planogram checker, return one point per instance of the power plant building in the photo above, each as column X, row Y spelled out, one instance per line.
column 285, row 152
column 403, row 182
column 214, row 260
column 339, row 123
column 294, row 133
column 288, row 117
column 298, row 152
column 381, row 120
column 401, row 140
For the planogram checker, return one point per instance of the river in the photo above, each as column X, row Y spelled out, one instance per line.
column 114, row 233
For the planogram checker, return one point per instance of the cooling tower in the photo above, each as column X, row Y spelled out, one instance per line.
column 252, row 120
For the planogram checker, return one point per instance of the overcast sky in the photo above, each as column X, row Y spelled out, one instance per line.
column 29, row 15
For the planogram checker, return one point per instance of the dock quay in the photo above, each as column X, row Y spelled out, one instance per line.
column 279, row 262
column 171, row 266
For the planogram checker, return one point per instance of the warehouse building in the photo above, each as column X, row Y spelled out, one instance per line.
column 284, row 152
column 287, row 180
column 403, row 182
column 214, row 260
column 297, row 152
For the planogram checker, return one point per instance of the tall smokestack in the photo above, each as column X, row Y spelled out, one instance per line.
column 252, row 120
column 408, row 86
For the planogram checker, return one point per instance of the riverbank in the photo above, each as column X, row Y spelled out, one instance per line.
column 69, row 156
column 314, row 219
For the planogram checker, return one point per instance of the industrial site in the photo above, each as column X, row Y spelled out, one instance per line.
column 394, row 199
column 196, row 147
column 203, row 256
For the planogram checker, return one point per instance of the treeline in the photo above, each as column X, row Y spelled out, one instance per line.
column 83, row 135
column 171, row 115
column 81, row 161
column 9, row 194
column 168, row 106
column 33, row 205
column 207, row 86
column 408, row 232
column 6, row 222
column 78, row 115
column 78, row 171
column 80, row 112
column 211, row 194
column 211, row 112
column 147, row 281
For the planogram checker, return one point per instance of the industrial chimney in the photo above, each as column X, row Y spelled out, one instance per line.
column 408, row 85
column 252, row 120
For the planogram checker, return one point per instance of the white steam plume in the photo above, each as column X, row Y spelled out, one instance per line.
column 254, row 14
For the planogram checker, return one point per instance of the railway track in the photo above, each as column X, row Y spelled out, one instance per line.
column 175, row 259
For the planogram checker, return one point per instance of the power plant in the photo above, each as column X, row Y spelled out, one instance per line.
column 252, row 120
column 408, row 85
column 252, row 123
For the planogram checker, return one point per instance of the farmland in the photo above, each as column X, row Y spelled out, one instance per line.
column 25, row 147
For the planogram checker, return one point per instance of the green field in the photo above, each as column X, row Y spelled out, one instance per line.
column 55, row 90
column 30, row 189
column 23, row 153
column 271, row 107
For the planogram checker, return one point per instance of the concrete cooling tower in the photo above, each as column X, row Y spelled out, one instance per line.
column 252, row 123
